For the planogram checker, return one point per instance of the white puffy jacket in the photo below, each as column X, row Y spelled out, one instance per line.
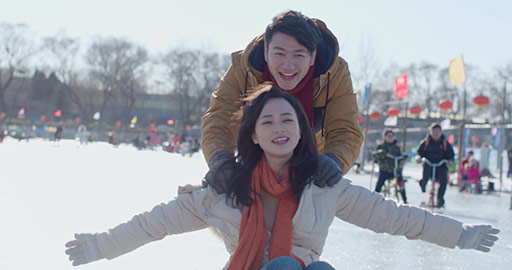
column 317, row 209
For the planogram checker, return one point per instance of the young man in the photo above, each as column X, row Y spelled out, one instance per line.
column 435, row 148
column 300, row 56
column 387, row 164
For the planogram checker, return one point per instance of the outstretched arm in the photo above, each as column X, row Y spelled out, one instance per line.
column 371, row 210
column 176, row 216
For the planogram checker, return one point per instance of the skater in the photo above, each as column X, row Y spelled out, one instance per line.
column 471, row 175
column 82, row 134
column 3, row 134
column 435, row 148
column 300, row 55
column 485, row 152
column 58, row 133
column 387, row 164
column 271, row 183
column 462, row 166
column 112, row 138
column 152, row 138
column 509, row 156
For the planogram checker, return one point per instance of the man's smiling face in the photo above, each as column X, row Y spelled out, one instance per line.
column 288, row 60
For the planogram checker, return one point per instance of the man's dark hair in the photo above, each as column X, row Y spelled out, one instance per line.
column 299, row 26
column 388, row 131
column 435, row 125
column 303, row 164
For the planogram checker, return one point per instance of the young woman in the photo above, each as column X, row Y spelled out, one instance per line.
column 272, row 216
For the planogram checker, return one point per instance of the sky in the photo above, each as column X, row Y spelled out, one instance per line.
column 403, row 32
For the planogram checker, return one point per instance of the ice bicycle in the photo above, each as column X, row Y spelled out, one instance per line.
column 392, row 187
column 433, row 191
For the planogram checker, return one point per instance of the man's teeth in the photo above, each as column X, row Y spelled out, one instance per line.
column 288, row 74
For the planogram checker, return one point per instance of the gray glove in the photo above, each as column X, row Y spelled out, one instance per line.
column 330, row 170
column 84, row 249
column 221, row 165
column 480, row 237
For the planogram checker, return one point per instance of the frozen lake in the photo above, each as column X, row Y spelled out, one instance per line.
column 48, row 192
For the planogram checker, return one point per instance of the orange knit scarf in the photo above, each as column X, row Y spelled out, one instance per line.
column 253, row 234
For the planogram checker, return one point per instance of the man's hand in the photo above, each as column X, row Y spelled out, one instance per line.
column 329, row 172
column 418, row 159
column 222, row 165
column 188, row 188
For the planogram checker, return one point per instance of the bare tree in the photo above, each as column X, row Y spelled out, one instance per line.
column 382, row 88
column 133, row 80
column 445, row 90
column 210, row 70
column 62, row 59
column 504, row 108
column 479, row 83
column 118, row 66
column 180, row 67
column 426, row 71
column 414, row 81
column 16, row 50
column 366, row 68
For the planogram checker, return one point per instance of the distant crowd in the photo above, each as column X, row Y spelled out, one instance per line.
column 169, row 141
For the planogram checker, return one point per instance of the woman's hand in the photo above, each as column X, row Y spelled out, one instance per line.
column 83, row 249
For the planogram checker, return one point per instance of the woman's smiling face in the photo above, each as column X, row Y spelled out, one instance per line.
column 277, row 129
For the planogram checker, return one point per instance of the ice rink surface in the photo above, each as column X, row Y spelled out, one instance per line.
column 49, row 191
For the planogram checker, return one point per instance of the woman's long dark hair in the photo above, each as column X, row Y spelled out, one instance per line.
column 302, row 164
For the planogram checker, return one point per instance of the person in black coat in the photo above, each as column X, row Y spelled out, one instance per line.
column 435, row 148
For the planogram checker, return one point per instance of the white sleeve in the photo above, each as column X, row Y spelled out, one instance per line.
column 370, row 210
column 176, row 216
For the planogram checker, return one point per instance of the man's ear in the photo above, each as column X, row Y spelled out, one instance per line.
column 313, row 58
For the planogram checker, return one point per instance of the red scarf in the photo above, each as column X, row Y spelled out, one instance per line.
column 303, row 91
column 253, row 234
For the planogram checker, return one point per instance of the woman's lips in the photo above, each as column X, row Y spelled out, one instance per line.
column 280, row 140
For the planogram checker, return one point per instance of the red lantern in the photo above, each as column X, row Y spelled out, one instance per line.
column 451, row 139
column 445, row 105
column 170, row 122
column 474, row 139
column 2, row 115
column 415, row 110
column 42, row 117
column 77, row 120
column 188, row 127
column 393, row 112
column 374, row 116
column 481, row 101
column 118, row 123
column 57, row 113
column 360, row 119
column 152, row 126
